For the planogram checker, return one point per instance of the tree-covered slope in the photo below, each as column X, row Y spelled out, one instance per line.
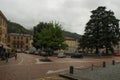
column 70, row 34
column 17, row 28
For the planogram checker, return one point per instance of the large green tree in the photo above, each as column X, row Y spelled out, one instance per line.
column 102, row 30
column 37, row 29
column 48, row 36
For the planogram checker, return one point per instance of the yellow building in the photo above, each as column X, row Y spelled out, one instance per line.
column 3, row 29
column 20, row 42
column 72, row 45
column 117, row 48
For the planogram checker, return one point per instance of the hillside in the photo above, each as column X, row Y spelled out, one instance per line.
column 17, row 28
column 70, row 34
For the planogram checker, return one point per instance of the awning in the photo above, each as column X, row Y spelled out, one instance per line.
column 6, row 47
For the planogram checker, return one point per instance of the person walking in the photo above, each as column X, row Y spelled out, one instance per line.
column 6, row 55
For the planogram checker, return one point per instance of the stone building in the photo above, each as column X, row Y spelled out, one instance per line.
column 72, row 45
column 19, row 42
column 117, row 48
column 3, row 29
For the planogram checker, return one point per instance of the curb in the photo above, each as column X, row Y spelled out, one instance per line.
column 67, row 77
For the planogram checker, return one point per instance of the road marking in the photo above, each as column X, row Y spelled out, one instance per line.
column 79, row 67
column 56, row 71
column 37, row 61
column 74, row 61
column 63, row 61
column 40, row 79
column 21, row 61
column 51, row 78
column 40, row 62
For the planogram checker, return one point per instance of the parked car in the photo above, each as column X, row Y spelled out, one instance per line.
column 77, row 55
column 27, row 52
column 42, row 53
column 31, row 52
column 117, row 54
column 36, row 52
column 61, row 55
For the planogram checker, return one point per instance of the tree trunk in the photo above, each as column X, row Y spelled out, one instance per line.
column 91, row 51
column 106, row 50
column 97, row 50
column 112, row 50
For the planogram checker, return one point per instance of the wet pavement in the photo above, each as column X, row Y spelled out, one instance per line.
column 28, row 67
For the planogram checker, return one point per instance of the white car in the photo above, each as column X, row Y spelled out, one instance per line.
column 36, row 52
column 61, row 55
column 27, row 52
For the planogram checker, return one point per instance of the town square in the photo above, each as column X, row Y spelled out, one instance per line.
column 59, row 40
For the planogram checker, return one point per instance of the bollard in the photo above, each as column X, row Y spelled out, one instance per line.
column 113, row 62
column 104, row 64
column 92, row 67
column 71, row 69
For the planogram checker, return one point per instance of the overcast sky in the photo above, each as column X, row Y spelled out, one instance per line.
column 71, row 14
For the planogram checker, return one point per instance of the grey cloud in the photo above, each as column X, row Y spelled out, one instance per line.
column 72, row 14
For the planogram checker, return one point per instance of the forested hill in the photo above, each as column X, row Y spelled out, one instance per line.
column 17, row 28
column 70, row 34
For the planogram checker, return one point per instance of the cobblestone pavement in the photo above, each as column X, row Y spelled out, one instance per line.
column 28, row 67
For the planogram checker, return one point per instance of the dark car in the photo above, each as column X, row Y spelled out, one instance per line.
column 77, row 55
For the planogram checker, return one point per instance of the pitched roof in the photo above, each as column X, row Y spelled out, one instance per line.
column 2, row 15
column 18, row 34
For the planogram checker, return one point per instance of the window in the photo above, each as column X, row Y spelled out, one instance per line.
column 8, row 45
column 3, row 40
column 26, row 40
column 26, row 47
column 0, row 31
column 21, row 37
column 2, row 21
column 21, row 46
column 17, row 37
column 17, row 46
column 22, row 42
column 4, row 24
column 0, row 38
column 14, row 37
column 14, row 42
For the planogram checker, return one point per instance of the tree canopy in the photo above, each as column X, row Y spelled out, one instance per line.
column 102, row 30
column 48, row 36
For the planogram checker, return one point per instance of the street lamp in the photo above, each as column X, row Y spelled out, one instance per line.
column 118, row 47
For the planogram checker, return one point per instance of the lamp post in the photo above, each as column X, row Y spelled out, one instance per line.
column 118, row 47
column 59, row 48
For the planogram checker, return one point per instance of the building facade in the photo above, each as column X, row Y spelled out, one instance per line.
column 117, row 48
column 72, row 45
column 19, row 42
column 3, row 29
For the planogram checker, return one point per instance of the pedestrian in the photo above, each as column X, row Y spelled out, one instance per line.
column 15, row 56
